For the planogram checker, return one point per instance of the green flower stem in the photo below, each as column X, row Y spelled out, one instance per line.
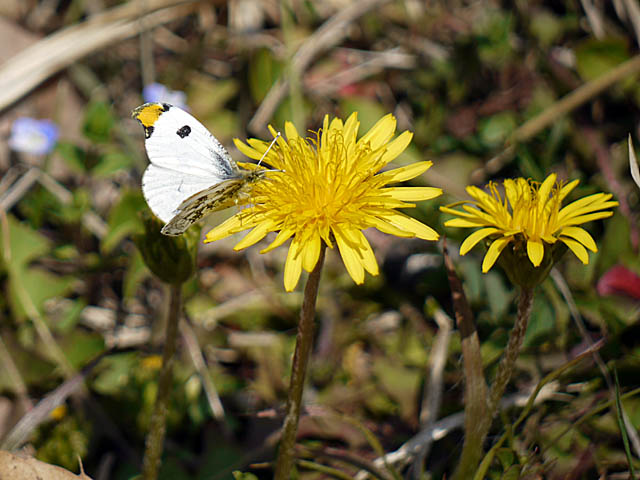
column 505, row 369
column 157, row 428
column 477, row 426
column 304, row 342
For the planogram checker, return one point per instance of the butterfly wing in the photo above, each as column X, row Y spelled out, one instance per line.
column 184, row 158
column 165, row 189
column 202, row 203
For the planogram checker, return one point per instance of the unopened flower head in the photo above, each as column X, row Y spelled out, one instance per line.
column 329, row 189
column 529, row 216
column 37, row 137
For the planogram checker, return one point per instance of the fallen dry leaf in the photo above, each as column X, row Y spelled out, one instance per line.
column 14, row 467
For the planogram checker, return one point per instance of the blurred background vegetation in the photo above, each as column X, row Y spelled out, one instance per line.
column 462, row 75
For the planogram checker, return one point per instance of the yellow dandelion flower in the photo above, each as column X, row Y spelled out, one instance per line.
column 530, row 217
column 329, row 189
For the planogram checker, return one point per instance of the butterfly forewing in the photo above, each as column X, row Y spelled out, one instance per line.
column 185, row 160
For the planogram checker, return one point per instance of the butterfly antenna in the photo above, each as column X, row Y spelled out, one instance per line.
column 267, row 151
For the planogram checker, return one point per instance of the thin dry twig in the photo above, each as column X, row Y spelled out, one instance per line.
column 197, row 358
column 633, row 11
column 330, row 33
column 434, row 386
column 594, row 17
column 371, row 64
column 19, row 189
column 40, row 61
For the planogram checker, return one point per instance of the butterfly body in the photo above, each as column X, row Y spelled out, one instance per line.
column 190, row 173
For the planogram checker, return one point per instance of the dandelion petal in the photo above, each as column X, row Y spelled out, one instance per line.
column 293, row 266
column 535, row 251
column 581, row 235
column 350, row 258
column 494, row 252
column 474, row 238
column 577, row 249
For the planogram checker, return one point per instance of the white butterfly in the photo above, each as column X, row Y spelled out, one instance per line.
column 190, row 173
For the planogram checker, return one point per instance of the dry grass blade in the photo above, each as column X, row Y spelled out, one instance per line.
column 47, row 57
column 19, row 189
column 191, row 341
column 374, row 64
column 633, row 163
column 435, row 384
column 633, row 11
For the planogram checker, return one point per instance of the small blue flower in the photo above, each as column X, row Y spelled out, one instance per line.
column 156, row 92
column 37, row 137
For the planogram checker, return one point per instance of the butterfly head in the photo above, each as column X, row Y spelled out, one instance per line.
column 148, row 115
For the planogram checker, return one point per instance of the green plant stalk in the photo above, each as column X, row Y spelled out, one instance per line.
column 304, row 342
column 329, row 471
column 516, row 337
column 477, row 424
column 155, row 437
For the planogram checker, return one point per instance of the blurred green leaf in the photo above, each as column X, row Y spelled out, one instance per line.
column 263, row 72
column 124, row 219
column 34, row 286
column 595, row 57
column 25, row 244
column 546, row 26
column 506, row 457
column 497, row 293
column 98, row 122
column 369, row 111
column 74, row 156
column 511, row 473
column 493, row 131
column 238, row 475
column 111, row 163
column 30, row 285
column 114, row 373
column 80, row 346
column 541, row 322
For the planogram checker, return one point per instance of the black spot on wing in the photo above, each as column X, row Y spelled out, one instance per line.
column 166, row 106
column 184, row 131
column 148, row 131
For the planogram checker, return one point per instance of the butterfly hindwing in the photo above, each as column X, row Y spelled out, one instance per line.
column 202, row 203
column 166, row 189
